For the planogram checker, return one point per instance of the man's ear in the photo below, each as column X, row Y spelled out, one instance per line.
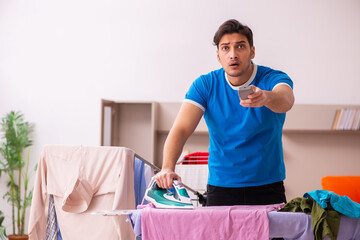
column 252, row 52
column 217, row 55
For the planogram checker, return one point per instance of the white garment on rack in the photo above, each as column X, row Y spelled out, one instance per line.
column 84, row 179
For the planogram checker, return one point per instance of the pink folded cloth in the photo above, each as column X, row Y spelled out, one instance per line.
column 196, row 158
column 218, row 222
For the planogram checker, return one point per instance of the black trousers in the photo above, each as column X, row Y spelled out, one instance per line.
column 258, row 195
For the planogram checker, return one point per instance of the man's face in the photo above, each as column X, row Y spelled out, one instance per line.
column 235, row 54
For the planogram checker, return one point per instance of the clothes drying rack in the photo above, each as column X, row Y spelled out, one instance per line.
column 201, row 197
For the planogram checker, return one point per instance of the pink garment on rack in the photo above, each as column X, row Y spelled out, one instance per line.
column 84, row 179
column 207, row 223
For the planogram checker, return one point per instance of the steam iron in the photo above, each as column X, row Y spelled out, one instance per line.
column 176, row 197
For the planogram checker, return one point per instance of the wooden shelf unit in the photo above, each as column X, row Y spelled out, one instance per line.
column 340, row 132
column 129, row 124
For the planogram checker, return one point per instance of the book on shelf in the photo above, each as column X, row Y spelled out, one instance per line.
column 347, row 119
column 336, row 119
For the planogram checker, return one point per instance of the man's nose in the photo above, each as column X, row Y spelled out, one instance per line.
column 233, row 54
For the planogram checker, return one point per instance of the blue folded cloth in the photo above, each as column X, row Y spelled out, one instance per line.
column 341, row 204
column 135, row 221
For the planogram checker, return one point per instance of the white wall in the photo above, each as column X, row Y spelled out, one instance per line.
column 59, row 58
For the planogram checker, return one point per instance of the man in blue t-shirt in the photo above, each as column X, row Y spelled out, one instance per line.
column 246, row 164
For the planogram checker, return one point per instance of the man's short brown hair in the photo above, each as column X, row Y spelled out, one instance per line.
column 233, row 26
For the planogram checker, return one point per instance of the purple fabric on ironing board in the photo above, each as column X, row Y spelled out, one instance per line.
column 298, row 226
column 290, row 225
column 135, row 221
column 349, row 228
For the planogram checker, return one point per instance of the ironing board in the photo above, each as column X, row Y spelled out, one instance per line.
column 288, row 225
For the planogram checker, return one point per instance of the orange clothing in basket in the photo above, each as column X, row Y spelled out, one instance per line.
column 343, row 185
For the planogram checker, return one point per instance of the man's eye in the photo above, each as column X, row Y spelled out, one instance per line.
column 241, row 46
column 224, row 48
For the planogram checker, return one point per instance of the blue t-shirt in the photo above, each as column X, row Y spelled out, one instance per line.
column 245, row 143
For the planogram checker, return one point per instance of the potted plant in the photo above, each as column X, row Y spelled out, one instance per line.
column 15, row 135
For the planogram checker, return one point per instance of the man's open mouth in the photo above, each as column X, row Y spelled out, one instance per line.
column 234, row 64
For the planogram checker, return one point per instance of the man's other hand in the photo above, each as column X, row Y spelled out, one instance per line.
column 164, row 178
